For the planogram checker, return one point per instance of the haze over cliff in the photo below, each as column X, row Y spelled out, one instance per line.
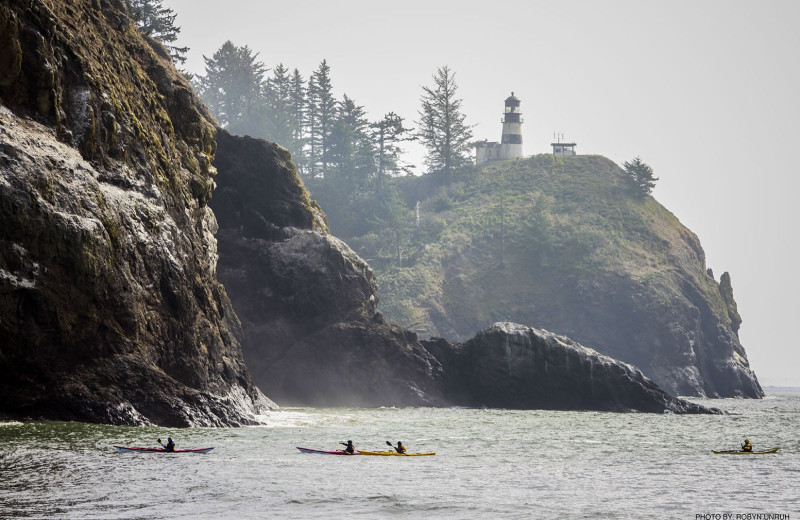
column 570, row 245
column 110, row 306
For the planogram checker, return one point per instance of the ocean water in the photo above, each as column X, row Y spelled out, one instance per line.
column 488, row 464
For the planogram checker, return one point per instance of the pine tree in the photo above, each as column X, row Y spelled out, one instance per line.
column 158, row 22
column 320, row 115
column 641, row 174
column 387, row 134
column 279, row 104
column 297, row 106
column 233, row 88
column 442, row 129
column 351, row 154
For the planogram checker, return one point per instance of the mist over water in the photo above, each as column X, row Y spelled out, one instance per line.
column 489, row 464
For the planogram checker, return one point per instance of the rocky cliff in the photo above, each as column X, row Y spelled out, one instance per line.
column 110, row 307
column 312, row 335
column 110, row 310
column 568, row 245
column 306, row 301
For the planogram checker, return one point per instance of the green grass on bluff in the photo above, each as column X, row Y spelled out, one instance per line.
column 521, row 239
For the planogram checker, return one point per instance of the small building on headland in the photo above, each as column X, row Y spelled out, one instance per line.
column 510, row 145
column 486, row 151
column 560, row 148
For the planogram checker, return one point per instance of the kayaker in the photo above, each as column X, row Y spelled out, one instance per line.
column 399, row 448
column 169, row 446
column 349, row 447
column 747, row 446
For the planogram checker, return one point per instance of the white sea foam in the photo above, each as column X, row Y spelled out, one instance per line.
column 285, row 419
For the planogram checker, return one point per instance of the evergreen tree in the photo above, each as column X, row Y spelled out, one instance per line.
column 158, row 22
column 297, row 107
column 641, row 174
column 320, row 115
column 233, row 88
column 387, row 134
column 442, row 129
column 351, row 154
column 279, row 104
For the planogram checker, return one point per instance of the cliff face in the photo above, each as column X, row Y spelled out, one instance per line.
column 578, row 253
column 306, row 301
column 313, row 337
column 110, row 310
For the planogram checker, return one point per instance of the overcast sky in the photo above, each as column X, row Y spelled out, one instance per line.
column 706, row 92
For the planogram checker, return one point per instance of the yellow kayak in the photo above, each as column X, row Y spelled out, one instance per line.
column 739, row 452
column 395, row 454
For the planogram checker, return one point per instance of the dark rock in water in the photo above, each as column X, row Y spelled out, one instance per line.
column 307, row 302
column 513, row 366
column 110, row 310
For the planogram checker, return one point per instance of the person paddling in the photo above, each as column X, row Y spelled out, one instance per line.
column 349, row 447
column 747, row 446
column 399, row 448
column 169, row 446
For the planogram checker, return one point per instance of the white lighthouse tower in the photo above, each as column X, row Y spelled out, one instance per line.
column 511, row 142
column 510, row 145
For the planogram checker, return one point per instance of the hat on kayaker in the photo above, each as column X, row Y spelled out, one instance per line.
column 747, row 441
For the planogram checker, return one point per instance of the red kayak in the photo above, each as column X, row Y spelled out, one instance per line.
column 324, row 452
column 127, row 449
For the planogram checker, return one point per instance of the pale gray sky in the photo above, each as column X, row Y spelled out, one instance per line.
column 706, row 92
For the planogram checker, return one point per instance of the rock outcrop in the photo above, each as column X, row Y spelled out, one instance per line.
column 110, row 306
column 509, row 365
column 580, row 252
column 306, row 301
column 110, row 310
column 312, row 335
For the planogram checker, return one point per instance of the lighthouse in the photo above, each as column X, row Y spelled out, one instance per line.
column 510, row 145
column 511, row 142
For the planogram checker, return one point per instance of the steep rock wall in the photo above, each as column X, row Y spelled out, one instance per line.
column 307, row 302
column 110, row 310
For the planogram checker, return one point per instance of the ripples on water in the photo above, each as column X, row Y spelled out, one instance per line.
column 489, row 464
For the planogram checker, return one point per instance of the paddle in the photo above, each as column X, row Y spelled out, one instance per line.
column 392, row 445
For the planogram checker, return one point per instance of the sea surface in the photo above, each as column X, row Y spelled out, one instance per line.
column 488, row 464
